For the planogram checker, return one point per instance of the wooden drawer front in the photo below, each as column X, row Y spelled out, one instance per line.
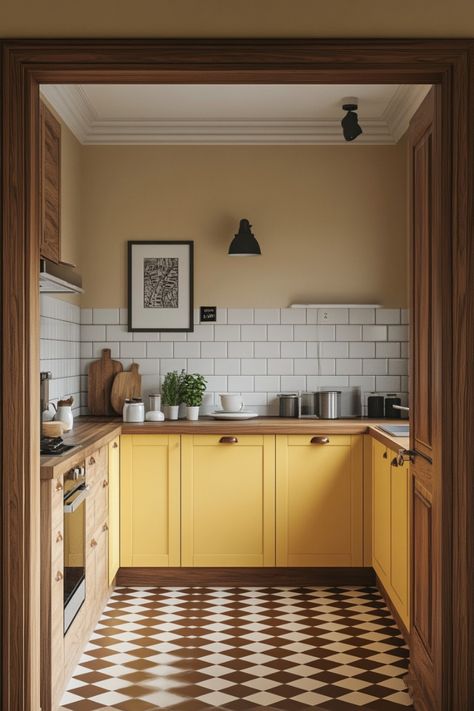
column 101, row 567
column 319, row 440
column 101, row 499
column 74, row 641
column 57, row 636
column 96, row 466
column 57, row 501
column 381, row 511
column 236, row 440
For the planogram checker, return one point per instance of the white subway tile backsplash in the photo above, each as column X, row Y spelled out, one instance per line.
column 240, row 316
column 333, row 316
column 280, row 366
column 221, row 316
column 187, row 350
column 348, row 333
column 311, row 315
column 146, row 336
column 202, row 332
column 148, row 366
column 86, row 316
column 398, row 333
column 240, row 383
column 123, row 318
column 318, row 381
column 159, row 350
column 387, row 350
column 94, row 333
column 374, row 333
column 306, row 366
column 175, row 336
column 205, row 366
column 348, row 366
column 253, row 366
column 267, row 349
column 98, row 347
column 169, row 364
column 280, row 333
column 387, row 383
column 217, row 384
column 106, row 316
column 361, row 349
column 267, row 316
column 307, row 333
column 240, row 349
column 254, row 399
column 404, row 350
column 132, row 350
column 398, row 366
column 216, row 349
column 327, row 366
column 404, row 316
column 227, row 366
column 293, row 383
column 366, row 383
column 251, row 333
column 86, row 350
column 114, row 333
column 375, row 366
column 362, row 316
column 387, row 316
column 293, row 316
column 267, row 383
column 293, row 349
column 228, row 333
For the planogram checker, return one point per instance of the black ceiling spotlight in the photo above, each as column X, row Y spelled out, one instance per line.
column 244, row 243
column 350, row 123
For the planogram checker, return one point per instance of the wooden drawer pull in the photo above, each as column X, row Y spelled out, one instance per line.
column 91, row 461
column 59, row 537
column 105, row 483
column 93, row 543
column 115, row 445
column 59, row 576
column 59, row 486
column 105, row 527
column 320, row 440
column 228, row 440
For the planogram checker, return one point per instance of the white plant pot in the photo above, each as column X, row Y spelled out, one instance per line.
column 192, row 412
column 171, row 412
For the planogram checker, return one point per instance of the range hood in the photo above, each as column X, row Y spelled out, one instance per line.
column 59, row 278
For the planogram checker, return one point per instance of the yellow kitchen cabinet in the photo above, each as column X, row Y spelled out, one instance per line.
column 150, row 500
column 381, row 497
column 228, row 502
column 391, row 527
column 114, row 509
column 319, row 500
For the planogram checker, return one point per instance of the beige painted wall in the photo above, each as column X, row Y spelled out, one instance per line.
column 330, row 220
column 233, row 18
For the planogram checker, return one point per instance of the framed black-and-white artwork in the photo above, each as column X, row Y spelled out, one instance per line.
column 160, row 286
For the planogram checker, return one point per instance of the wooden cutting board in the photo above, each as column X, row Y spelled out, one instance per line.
column 101, row 377
column 126, row 385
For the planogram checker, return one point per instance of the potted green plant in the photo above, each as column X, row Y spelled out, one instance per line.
column 172, row 393
column 194, row 388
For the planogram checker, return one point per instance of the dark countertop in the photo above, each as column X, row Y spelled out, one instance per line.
column 90, row 433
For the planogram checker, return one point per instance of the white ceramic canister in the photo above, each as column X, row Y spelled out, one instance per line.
column 64, row 413
column 133, row 411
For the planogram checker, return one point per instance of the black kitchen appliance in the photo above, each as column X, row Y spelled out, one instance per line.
column 75, row 493
column 54, row 446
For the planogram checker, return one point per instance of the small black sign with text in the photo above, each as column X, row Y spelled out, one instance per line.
column 208, row 314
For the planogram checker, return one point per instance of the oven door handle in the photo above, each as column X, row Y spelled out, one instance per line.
column 75, row 500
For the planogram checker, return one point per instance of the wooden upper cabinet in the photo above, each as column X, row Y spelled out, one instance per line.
column 50, row 185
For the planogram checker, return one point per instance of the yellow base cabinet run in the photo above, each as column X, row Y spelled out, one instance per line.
column 150, row 500
column 319, row 500
column 114, row 508
column 391, row 527
column 228, row 504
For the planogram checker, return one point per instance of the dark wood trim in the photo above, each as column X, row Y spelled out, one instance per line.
column 445, row 62
column 400, row 624
column 238, row 577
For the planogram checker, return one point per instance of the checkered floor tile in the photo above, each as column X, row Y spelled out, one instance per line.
column 285, row 649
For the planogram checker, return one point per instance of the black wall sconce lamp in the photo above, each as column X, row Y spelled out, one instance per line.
column 244, row 243
column 350, row 123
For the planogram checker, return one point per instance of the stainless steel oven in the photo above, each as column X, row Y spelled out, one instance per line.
column 75, row 493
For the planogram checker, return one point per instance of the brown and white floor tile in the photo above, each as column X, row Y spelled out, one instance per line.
column 238, row 649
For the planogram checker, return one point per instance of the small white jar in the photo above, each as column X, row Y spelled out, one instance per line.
column 133, row 411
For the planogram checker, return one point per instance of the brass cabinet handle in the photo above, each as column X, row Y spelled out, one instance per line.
column 228, row 440
column 59, row 486
column 115, row 445
column 91, row 460
column 59, row 537
column 59, row 576
column 93, row 543
column 385, row 455
column 105, row 483
column 319, row 440
column 105, row 527
column 394, row 462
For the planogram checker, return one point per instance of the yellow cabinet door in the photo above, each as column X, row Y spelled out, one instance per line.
column 381, row 503
column 228, row 505
column 319, row 502
column 150, row 500
column 114, row 509
column 400, row 539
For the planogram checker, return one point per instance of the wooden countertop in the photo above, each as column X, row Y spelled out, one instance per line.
column 89, row 433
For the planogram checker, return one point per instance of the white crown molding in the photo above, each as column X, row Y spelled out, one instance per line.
column 73, row 106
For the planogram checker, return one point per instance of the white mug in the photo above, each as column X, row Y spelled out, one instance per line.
column 230, row 402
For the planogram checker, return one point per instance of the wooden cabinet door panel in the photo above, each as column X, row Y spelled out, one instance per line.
column 381, row 511
column 50, row 185
column 228, row 501
column 150, row 500
column 319, row 501
column 114, row 509
column 400, row 539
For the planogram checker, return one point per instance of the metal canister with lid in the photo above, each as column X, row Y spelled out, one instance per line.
column 289, row 405
column 329, row 404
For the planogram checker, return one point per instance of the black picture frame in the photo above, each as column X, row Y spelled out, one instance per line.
column 146, row 318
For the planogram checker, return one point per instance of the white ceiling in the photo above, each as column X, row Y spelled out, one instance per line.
column 231, row 114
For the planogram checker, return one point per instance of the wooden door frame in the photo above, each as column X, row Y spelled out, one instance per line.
column 27, row 63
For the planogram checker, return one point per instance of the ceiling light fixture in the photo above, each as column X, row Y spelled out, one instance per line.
column 350, row 123
column 244, row 243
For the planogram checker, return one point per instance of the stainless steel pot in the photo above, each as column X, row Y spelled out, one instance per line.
column 288, row 404
column 329, row 404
